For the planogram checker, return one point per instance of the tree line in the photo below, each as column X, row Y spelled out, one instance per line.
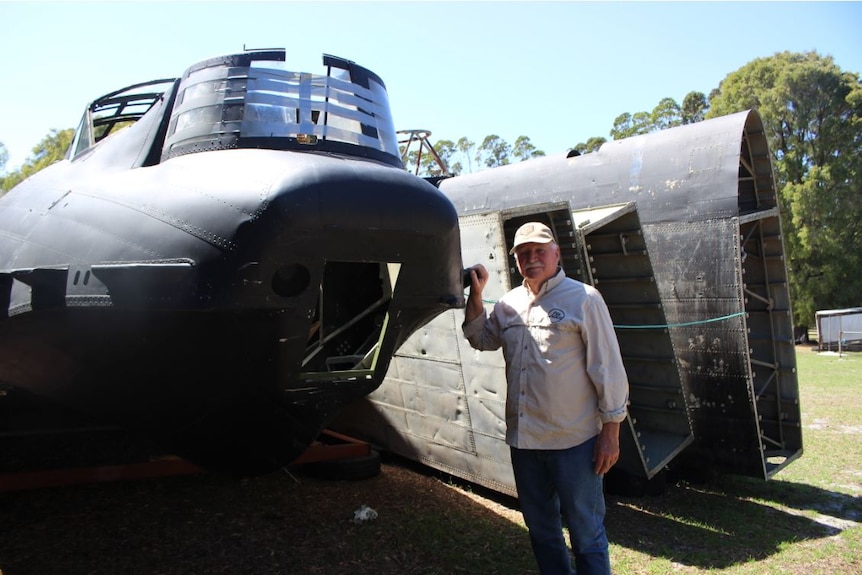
column 812, row 113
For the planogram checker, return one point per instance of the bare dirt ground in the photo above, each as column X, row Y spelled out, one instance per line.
column 279, row 523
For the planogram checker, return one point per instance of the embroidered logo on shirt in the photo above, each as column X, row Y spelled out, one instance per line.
column 556, row 315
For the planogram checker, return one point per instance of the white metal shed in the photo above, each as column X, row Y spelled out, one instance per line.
column 839, row 329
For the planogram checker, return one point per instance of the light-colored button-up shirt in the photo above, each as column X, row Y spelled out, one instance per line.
column 563, row 365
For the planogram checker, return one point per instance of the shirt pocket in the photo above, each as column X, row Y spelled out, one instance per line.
column 554, row 338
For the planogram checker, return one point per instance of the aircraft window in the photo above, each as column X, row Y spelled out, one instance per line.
column 83, row 136
column 266, row 113
column 273, row 107
column 115, row 111
column 204, row 90
column 197, row 117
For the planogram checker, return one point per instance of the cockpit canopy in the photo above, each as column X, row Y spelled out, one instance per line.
column 248, row 100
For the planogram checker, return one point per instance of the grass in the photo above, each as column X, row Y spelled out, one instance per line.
column 807, row 519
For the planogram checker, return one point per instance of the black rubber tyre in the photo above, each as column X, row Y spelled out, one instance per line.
column 351, row 468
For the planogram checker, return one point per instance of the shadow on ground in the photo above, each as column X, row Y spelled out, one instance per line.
column 719, row 525
column 207, row 524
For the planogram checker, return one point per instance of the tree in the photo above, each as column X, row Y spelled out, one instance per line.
column 422, row 162
column 446, row 151
column 812, row 114
column 666, row 114
column 694, row 107
column 591, row 145
column 628, row 125
column 51, row 149
column 466, row 147
column 493, row 152
column 622, row 127
column 4, row 157
column 523, row 149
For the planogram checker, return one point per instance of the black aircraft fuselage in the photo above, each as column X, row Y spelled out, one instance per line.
column 224, row 260
column 680, row 231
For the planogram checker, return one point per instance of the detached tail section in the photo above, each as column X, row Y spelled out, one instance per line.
column 680, row 232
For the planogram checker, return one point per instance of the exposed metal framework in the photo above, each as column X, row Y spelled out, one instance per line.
column 765, row 294
column 407, row 139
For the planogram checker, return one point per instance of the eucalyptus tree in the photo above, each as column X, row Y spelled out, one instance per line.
column 494, row 151
column 591, row 145
column 694, row 107
column 812, row 112
column 666, row 114
column 627, row 125
column 466, row 147
column 523, row 149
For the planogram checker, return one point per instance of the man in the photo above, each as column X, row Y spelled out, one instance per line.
column 567, row 395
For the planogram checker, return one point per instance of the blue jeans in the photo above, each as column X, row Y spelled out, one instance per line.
column 555, row 483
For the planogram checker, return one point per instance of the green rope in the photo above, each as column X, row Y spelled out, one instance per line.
column 684, row 324
column 664, row 326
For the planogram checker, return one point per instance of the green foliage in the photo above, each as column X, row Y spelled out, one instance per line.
column 459, row 156
column 523, row 149
column 422, row 160
column 628, row 125
column 51, row 149
column 590, row 145
column 466, row 146
column 493, row 152
column 694, row 107
column 812, row 113
column 667, row 114
column 4, row 157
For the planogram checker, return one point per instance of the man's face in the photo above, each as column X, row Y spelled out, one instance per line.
column 537, row 263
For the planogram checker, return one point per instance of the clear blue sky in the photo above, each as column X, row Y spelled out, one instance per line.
column 558, row 72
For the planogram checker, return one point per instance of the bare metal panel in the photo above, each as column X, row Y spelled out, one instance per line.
column 443, row 403
column 617, row 262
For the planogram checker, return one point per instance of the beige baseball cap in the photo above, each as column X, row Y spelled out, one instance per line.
column 532, row 232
